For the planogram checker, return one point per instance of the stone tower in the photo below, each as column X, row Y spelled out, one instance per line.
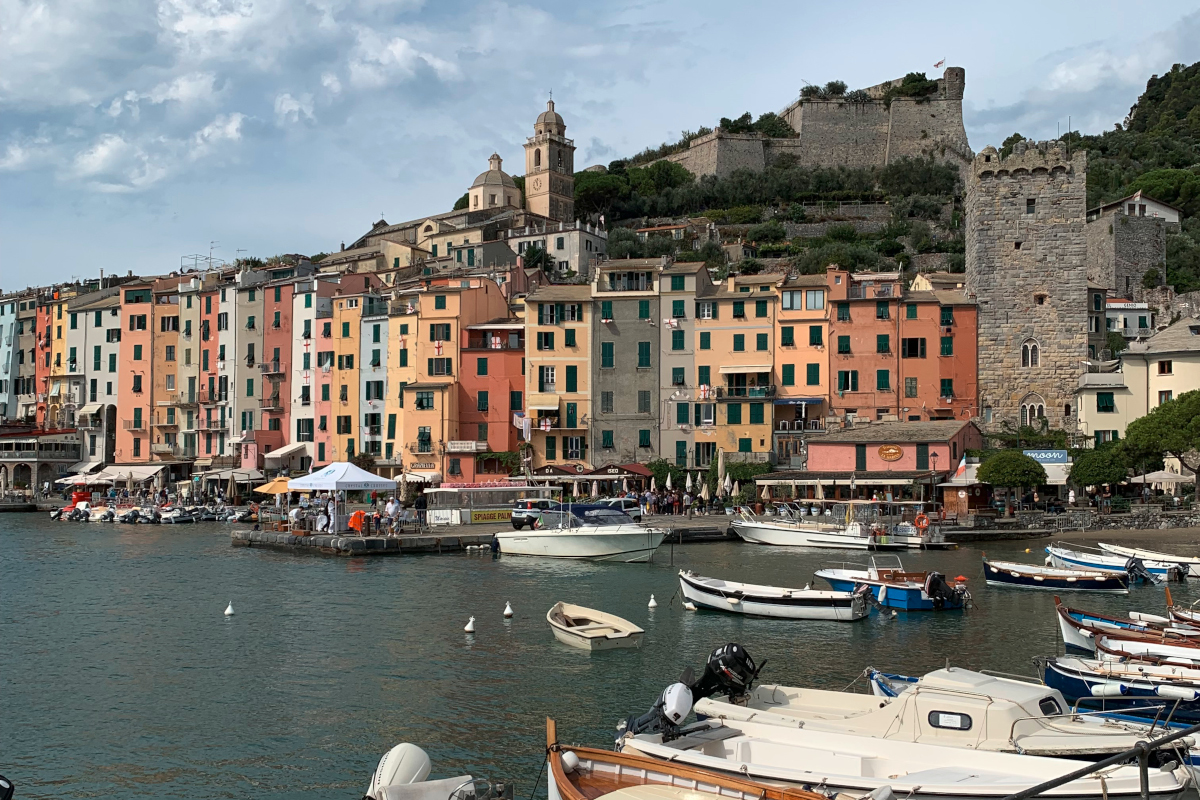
column 1026, row 267
column 550, row 168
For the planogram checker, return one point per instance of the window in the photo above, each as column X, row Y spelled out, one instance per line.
column 843, row 344
column 883, row 380
column 910, row 387
column 703, row 375
column 739, row 342
column 545, row 340
column 643, row 438
column 546, row 379
column 947, row 316
column 705, row 341
column 787, row 336
column 760, row 308
column 814, row 299
column 787, row 374
column 424, row 401
column 881, row 310
column 677, row 340
column 375, row 360
column 762, row 342
column 404, row 356
column 677, row 311
column 643, row 401
column 137, row 384
column 439, row 366
column 137, row 352
column 607, row 358
column 1165, row 367
column 250, row 323
column 912, row 348
column 860, row 457
column 677, row 376
column 847, row 380
column 843, row 312
column 1165, row 396
column 439, row 333
column 706, row 310
column 606, row 402
column 516, row 401
column 606, row 312
column 739, row 308
column 606, row 439
column 1105, row 403
column 439, row 302
column 812, row 374
column 677, row 283
column 643, row 355
column 947, row 388
column 947, row 345
column 883, row 343
column 745, row 446
column 682, row 414
column 325, row 392
column 481, row 403
column 733, row 414
column 756, row 414
column 1030, row 207
column 569, row 337
column 643, row 309
column 572, row 378
column 1030, row 354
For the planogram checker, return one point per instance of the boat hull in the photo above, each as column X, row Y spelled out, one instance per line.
column 844, row 607
column 797, row 536
column 632, row 641
column 1190, row 563
column 1005, row 574
column 1138, row 697
column 1075, row 559
column 624, row 546
column 910, row 597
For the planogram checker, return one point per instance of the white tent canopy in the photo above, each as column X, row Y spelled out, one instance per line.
column 341, row 476
column 1162, row 476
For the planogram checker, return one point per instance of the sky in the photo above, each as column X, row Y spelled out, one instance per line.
column 136, row 133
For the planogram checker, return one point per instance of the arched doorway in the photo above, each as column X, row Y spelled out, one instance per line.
column 45, row 475
column 22, row 477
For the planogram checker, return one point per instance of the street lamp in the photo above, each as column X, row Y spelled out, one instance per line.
column 932, row 477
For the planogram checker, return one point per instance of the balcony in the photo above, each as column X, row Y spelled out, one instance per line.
column 271, row 403
column 208, row 398
column 134, row 424
column 166, row 449
column 466, row 446
column 502, row 342
column 165, row 422
column 177, row 399
column 402, row 308
column 744, row 392
column 374, row 430
column 89, row 422
column 272, row 368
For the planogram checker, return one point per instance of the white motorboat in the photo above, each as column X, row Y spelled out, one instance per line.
column 853, row 525
column 773, row 601
column 1080, row 557
column 999, row 715
column 589, row 629
column 843, row 762
column 1189, row 563
column 595, row 532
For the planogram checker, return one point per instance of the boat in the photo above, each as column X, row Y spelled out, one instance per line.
column 799, row 756
column 1190, row 564
column 1060, row 555
column 1006, row 715
column 1146, row 690
column 893, row 587
column 1081, row 629
column 853, row 525
column 596, row 532
column 773, row 601
column 589, row 629
column 586, row 773
column 1148, row 650
column 1036, row 576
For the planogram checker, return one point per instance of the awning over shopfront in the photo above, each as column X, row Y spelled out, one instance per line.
column 799, row 401
column 139, row 472
column 89, row 409
column 285, row 452
column 81, row 467
column 860, row 479
column 422, row 476
column 238, row 475
column 544, row 408
column 740, row 369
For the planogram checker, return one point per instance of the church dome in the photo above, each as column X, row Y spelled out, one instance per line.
column 494, row 176
column 549, row 121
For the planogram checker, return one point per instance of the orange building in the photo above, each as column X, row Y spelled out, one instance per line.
column 137, row 365
column 491, row 388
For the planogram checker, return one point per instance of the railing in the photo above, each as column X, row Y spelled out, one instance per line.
column 203, row 424
column 485, row 343
column 165, row 422
column 270, row 402
column 88, row 423
column 744, row 392
column 374, row 430
column 306, row 401
column 402, row 309
column 271, row 367
column 866, row 292
column 134, row 424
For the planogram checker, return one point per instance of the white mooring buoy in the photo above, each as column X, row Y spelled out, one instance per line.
column 689, row 605
column 229, row 609
column 508, row 612
column 470, row 626
column 653, row 602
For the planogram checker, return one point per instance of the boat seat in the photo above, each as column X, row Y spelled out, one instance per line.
column 701, row 738
column 426, row 790
column 594, row 626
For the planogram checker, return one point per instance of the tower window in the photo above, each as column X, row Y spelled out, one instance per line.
column 1030, row 205
column 1016, row 245
column 1040, row 299
column 537, row 157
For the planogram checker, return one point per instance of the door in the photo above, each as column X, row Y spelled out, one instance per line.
column 571, row 415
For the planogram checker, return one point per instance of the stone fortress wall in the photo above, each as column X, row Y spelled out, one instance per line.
column 838, row 132
column 1026, row 266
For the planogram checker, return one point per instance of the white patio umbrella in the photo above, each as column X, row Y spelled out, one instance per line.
column 720, row 466
column 668, row 481
column 737, row 487
column 624, row 484
column 653, row 488
column 595, row 488
column 766, row 493
column 704, row 492
column 727, row 485
column 688, row 485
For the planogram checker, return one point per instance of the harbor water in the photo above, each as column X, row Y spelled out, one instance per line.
column 121, row 677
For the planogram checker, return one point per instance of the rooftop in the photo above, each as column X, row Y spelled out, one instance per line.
column 888, row 432
column 1182, row 337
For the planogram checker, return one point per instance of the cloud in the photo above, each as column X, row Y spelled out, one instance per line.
column 191, row 89
column 290, row 110
column 378, row 61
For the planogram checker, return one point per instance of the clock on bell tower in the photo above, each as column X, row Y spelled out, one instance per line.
column 550, row 168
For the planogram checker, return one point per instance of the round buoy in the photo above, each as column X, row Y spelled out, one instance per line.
column 653, row 603
column 470, row 626
column 570, row 761
column 1027, row 550
column 508, row 612
column 229, row 609
column 689, row 605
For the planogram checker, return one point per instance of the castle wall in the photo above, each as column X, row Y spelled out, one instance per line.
column 721, row 154
column 1027, row 273
column 1122, row 249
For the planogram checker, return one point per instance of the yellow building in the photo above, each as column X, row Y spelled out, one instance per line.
column 735, row 355
column 558, row 353
column 167, row 407
column 344, row 383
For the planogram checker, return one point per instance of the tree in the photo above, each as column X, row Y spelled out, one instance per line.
column 536, row 257
column 1006, row 147
column 1105, row 464
column 1115, row 342
column 1172, row 429
column 1012, row 469
column 769, row 231
column 624, row 243
column 1151, row 279
column 834, row 89
column 595, row 192
column 364, row 461
column 462, row 202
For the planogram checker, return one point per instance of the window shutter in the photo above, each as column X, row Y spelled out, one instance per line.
column 854, row 380
column 572, row 378
column 430, row 370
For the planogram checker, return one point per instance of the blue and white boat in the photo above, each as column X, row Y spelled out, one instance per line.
column 1080, row 629
column 1138, row 690
column 1094, row 559
column 895, row 588
column 1036, row 576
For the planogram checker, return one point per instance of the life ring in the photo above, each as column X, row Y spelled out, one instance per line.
column 922, row 521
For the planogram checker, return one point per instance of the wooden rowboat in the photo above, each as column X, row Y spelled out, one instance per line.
column 586, row 773
column 589, row 629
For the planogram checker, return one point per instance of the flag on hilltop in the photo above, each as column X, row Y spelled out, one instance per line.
column 939, row 64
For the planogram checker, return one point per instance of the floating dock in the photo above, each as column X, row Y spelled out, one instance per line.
column 338, row 545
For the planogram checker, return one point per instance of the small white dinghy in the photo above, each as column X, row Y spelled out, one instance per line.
column 772, row 601
column 589, row 629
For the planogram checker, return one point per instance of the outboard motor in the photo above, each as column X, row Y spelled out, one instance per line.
column 108, row 516
column 729, row 670
column 56, row 513
column 1137, row 571
column 942, row 593
column 129, row 517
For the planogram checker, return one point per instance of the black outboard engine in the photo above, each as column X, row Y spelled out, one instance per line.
column 729, row 670
column 56, row 513
column 942, row 593
column 1137, row 571
column 130, row 516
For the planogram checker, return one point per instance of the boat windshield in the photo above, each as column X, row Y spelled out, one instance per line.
column 606, row 516
column 887, row 563
column 557, row 519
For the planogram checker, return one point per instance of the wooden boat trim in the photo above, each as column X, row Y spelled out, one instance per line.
column 1165, row 637
column 636, row 770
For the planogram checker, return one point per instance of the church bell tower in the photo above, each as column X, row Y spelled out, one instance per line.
column 550, row 168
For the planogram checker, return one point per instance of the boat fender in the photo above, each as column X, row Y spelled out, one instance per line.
column 403, row 764
column 1109, row 689
column 570, row 761
column 882, row 793
column 1177, row 693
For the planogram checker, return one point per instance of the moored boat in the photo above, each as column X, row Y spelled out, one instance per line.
column 773, row 601
column 1036, row 576
column 895, row 588
column 1191, row 564
column 589, row 629
column 1157, row 692
column 1078, row 557
column 1081, row 629
column 595, row 532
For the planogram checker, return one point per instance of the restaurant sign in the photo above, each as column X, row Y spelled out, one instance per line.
column 492, row 515
column 891, row 452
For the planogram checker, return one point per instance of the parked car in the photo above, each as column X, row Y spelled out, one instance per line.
column 527, row 512
column 627, row 504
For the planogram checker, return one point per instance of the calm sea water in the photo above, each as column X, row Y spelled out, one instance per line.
column 120, row 676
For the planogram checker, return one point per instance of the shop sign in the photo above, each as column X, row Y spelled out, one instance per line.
column 891, row 452
column 492, row 515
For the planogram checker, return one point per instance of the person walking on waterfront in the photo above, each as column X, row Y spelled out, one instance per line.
column 421, row 505
column 1071, row 498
